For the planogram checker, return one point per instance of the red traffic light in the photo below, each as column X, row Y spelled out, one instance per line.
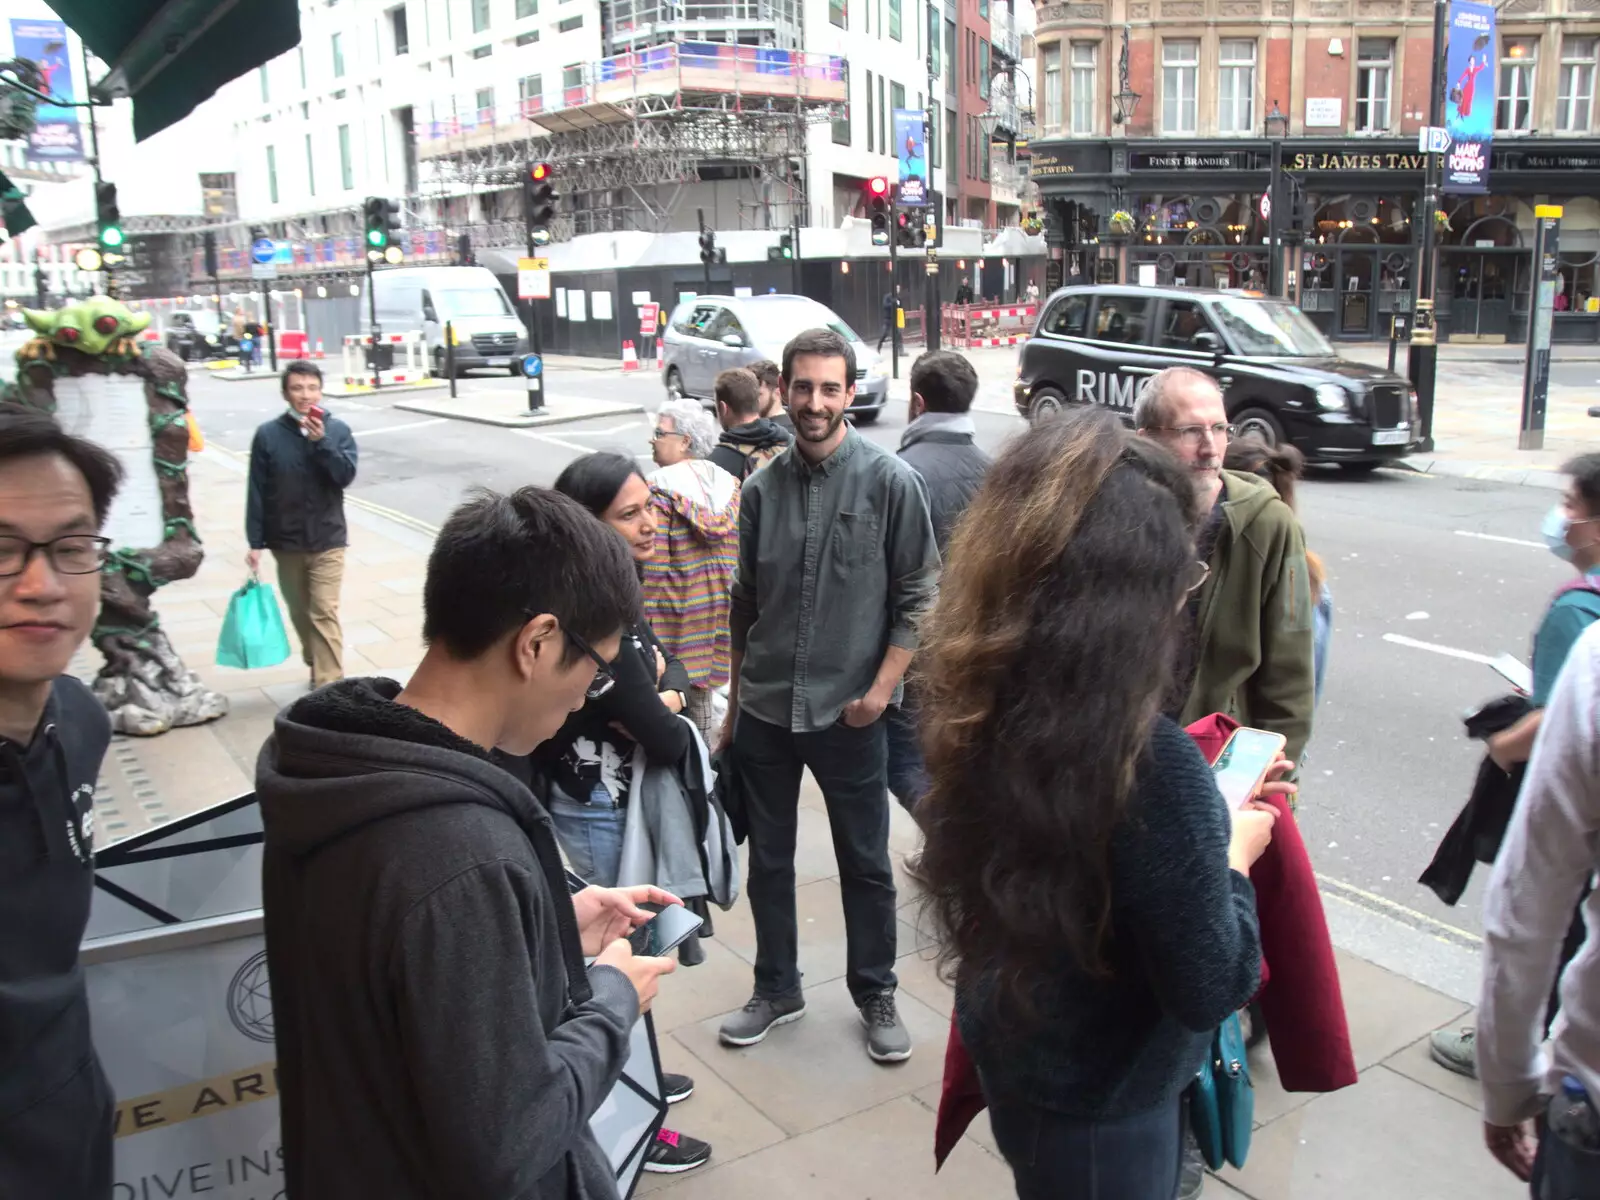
column 878, row 185
column 539, row 172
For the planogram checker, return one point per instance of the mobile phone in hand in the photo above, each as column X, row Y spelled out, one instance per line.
column 317, row 411
column 1242, row 766
column 665, row 931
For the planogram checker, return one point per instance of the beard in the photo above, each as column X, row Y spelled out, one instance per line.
column 804, row 420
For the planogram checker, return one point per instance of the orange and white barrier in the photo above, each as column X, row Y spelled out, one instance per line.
column 410, row 344
column 630, row 358
column 970, row 326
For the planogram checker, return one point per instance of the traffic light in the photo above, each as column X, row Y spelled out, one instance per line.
column 708, row 246
column 909, row 231
column 383, row 224
column 786, row 245
column 539, row 201
column 107, row 216
column 209, row 241
column 878, row 209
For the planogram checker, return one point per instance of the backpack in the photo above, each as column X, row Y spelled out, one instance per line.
column 756, row 457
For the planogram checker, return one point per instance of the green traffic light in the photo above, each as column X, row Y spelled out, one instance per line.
column 111, row 236
column 376, row 238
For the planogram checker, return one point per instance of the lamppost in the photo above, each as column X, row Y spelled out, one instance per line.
column 1423, row 350
column 1277, row 126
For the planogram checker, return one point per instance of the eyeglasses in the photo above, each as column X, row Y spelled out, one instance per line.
column 1199, row 572
column 1193, row 435
column 660, row 433
column 73, row 554
column 604, row 681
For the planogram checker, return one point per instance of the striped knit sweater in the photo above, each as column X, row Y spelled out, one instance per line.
column 686, row 581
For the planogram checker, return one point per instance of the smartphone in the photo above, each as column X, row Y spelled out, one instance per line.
column 665, row 931
column 1241, row 768
column 317, row 411
column 1513, row 671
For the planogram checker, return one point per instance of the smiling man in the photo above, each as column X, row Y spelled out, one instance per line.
column 55, row 1103
column 837, row 564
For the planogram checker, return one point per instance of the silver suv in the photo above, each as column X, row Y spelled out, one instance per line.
column 709, row 334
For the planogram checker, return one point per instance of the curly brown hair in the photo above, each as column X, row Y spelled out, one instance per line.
column 1041, row 671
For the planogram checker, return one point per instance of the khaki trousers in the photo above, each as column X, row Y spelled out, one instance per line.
column 310, row 583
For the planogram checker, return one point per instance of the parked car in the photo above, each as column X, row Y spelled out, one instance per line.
column 488, row 332
column 196, row 334
column 709, row 334
column 1281, row 378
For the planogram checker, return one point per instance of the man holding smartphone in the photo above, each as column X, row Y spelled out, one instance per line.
column 300, row 464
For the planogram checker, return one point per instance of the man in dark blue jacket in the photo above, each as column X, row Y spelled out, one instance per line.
column 55, row 1102
column 300, row 464
column 940, row 444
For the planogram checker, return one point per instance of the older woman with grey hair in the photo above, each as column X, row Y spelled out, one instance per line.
column 686, row 581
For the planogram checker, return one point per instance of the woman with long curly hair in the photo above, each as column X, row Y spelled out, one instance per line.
column 1090, row 886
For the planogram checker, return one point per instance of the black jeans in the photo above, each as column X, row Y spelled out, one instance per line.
column 848, row 765
column 908, row 776
column 1056, row 1157
column 1563, row 1172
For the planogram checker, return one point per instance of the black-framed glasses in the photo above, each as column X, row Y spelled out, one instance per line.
column 660, row 433
column 72, row 554
column 1198, row 573
column 603, row 681
column 1193, row 435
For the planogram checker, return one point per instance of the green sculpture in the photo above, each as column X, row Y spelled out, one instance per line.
column 87, row 367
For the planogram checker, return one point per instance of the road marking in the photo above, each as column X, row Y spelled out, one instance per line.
column 394, row 515
column 607, row 430
column 398, row 428
column 555, row 441
column 1363, row 898
column 1495, row 537
column 1400, row 639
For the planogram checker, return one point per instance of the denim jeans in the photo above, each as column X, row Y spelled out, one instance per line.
column 908, row 777
column 848, row 765
column 590, row 834
column 1053, row 1156
column 1563, row 1172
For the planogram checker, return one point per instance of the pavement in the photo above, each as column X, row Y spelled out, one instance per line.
column 806, row 1114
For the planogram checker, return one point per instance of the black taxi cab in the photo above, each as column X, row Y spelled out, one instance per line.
column 1281, row 379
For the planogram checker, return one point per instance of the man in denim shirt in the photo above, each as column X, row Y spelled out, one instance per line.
column 837, row 564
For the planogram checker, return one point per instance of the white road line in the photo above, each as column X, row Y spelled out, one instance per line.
column 609, row 429
column 555, row 441
column 398, row 428
column 1495, row 537
column 1399, row 639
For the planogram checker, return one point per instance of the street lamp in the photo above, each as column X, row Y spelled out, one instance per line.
column 1277, row 126
column 1126, row 98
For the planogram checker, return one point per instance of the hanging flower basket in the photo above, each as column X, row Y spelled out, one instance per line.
column 1032, row 225
column 1441, row 221
column 1121, row 223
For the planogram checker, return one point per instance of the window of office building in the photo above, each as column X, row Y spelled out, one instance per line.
column 301, row 51
column 272, row 174
column 530, row 93
column 985, row 65
column 1084, row 89
column 400, row 30
column 935, row 62
column 1236, row 91
column 1374, row 81
column 1519, row 59
column 311, row 169
column 1575, row 98
column 483, row 51
column 347, row 166
column 266, row 93
column 837, row 13
column 872, row 139
column 570, row 23
column 480, row 15
column 894, row 19
column 484, row 103
column 338, row 56
column 1180, row 83
column 935, row 158
column 527, row 8
column 529, row 38
column 841, row 127
column 897, row 97
column 883, row 116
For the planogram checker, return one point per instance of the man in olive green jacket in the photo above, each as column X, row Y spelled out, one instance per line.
column 1251, row 656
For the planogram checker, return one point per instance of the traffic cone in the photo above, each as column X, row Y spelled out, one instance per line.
column 319, row 353
column 630, row 360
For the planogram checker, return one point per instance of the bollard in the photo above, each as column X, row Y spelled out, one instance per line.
column 1397, row 330
column 450, row 355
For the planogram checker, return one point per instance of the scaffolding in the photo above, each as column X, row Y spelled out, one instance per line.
column 636, row 129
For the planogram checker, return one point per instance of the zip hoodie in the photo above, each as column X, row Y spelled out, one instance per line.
column 55, row 1103
column 1255, row 639
column 438, row 1035
column 737, row 445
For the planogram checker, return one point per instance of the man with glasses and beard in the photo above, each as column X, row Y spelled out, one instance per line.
column 837, row 564
column 1249, row 649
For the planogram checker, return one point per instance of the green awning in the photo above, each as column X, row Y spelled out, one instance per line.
column 169, row 55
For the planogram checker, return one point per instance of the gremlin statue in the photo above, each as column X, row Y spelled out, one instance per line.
column 87, row 367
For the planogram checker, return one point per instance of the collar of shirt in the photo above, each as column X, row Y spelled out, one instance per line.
column 833, row 462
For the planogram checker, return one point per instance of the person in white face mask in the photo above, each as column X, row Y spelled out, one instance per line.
column 1572, row 531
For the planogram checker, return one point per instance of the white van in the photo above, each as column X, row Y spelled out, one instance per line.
column 488, row 332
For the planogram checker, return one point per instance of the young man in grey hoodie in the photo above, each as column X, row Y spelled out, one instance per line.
column 438, row 1033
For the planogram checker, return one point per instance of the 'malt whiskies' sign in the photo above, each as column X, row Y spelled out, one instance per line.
column 1339, row 160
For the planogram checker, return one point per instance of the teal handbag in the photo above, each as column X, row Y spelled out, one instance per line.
column 252, row 633
column 1222, row 1104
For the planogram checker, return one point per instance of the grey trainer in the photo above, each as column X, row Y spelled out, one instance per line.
column 888, row 1039
column 1455, row 1050
column 755, row 1020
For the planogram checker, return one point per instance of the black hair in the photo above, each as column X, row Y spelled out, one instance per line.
column 766, row 372
column 1585, row 472
column 945, row 380
column 740, row 389
column 501, row 560
column 595, row 479
column 32, row 433
column 824, row 343
column 299, row 366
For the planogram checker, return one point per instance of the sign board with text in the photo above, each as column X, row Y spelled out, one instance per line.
column 533, row 279
column 1469, row 111
column 648, row 316
column 1324, row 112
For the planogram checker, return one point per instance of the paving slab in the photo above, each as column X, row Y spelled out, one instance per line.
column 510, row 409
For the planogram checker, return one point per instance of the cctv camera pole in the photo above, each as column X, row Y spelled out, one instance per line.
column 1424, row 353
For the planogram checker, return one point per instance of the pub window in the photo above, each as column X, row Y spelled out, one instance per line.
column 1180, row 74
column 1575, row 101
column 1236, row 95
column 1519, row 59
column 1374, row 80
column 1083, row 86
column 841, row 127
column 1052, row 63
column 983, row 69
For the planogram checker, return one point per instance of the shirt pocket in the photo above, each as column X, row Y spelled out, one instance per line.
column 855, row 540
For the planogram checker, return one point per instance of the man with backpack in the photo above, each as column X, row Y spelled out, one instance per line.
column 749, row 440
column 1571, row 529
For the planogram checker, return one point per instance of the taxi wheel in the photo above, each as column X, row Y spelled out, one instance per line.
column 674, row 386
column 1047, row 402
column 1258, row 423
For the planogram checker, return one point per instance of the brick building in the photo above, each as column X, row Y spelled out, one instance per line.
column 1160, row 109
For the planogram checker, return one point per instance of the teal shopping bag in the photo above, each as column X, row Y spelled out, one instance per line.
column 252, row 632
